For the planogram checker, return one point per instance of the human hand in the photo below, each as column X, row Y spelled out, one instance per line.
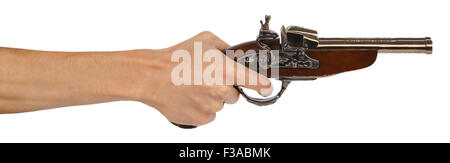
column 36, row 80
column 196, row 104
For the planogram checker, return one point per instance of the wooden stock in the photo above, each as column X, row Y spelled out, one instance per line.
column 332, row 61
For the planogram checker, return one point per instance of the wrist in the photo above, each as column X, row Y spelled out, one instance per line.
column 107, row 76
column 138, row 74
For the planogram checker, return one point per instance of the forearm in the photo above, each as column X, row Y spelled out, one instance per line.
column 35, row 80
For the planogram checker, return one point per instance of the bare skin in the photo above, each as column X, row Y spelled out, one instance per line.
column 35, row 80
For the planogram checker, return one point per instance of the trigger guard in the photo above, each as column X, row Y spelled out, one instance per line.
column 264, row 101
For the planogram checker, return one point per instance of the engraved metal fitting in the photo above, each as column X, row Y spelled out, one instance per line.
column 295, row 41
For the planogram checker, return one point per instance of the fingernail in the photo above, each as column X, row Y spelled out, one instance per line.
column 266, row 91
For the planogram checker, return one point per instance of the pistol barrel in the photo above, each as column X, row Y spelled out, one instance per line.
column 382, row 45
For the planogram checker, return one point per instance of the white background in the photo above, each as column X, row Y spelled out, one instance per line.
column 401, row 98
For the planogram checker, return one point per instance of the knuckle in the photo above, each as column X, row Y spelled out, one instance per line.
column 195, row 100
column 202, row 119
column 223, row 91
column 219, row 91
column 204, row 107
column 211, row 106
column 209, row 36
column 212, row 117
column 206, row 33
column 216, row 107
column 235, row 99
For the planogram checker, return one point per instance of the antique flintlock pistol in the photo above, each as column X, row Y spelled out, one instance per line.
column 301, row 55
